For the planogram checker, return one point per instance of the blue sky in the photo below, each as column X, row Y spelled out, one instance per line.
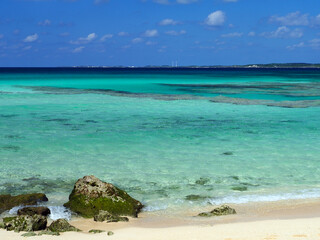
column 157, row 32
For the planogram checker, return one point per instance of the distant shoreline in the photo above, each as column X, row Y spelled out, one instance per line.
column 247, row 66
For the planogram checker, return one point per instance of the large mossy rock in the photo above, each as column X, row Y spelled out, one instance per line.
column 90, row 195
column 7, row 201
column 220, row 211
column 62, row 225
column 30, row 211
column 105, row 216
column 25, row 223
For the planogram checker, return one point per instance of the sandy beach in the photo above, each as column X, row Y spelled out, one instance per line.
column 267, row 221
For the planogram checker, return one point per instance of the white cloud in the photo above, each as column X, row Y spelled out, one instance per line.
column 137, row 40
column 162, row 1
column 251, row 34
column 27, row 48
column 314, row 44
column 292, row 19
column 299, row 45
column 283, row 32
column 216, row 18
column 168, row 21
column 235, row 34
column 105, row 37
column 31, row 38
column 46, row 22
column 85, row 40
column 100, row 1
column 176, row 33
column 186, row 1
column 123, row 34
column 78, row 49
column 151, row 33
column 151, row 43
column 176, row 1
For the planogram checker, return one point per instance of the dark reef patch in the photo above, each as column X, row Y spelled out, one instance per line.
column 309, row 89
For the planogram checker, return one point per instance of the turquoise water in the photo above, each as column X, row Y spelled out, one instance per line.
column 160, row 134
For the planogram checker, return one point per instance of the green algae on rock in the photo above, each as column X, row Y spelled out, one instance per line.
column 95, row 231
column 90, row 195
column 30, row 211
column 48, row 232
column 25, row 223
column 29, row 234
column 62, row 225
column 7, row 201
column 220, row 211
column 110, row 233
column 108, row 217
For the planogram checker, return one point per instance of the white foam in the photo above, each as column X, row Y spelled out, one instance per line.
column 58, row 212
column 303, row 194
column 154, row 208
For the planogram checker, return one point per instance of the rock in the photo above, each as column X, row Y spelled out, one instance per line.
column 25, row 223
column 228, row 153
column 108, row 217
column 96, row 231
column 220, row 211
column 62, row 225
column 7, row 201
column 29, row 234
column 1, row 224
column 110, row 233
column 90, row 195
column 30, row 211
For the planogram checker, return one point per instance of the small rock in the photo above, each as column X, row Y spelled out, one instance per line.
column 95, row 231
column 29, row 234
column 30, row 211
column 110, row 233
column 25, row 223
column 62, row 225
column 220, row 211
column 46, row 232
column 108, row 217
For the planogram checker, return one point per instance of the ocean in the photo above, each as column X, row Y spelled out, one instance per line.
column 172, row 138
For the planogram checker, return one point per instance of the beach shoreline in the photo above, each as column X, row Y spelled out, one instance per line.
column 289, row 219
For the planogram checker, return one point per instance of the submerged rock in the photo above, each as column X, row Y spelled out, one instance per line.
column 90, row 195
column 62, row 225
column 30, row 211
column 193, row 197
column 7, row 201
column 240, row 188
column 220, row 211
column 25, row 223
column 105, row 216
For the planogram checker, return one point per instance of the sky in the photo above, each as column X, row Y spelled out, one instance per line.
column 53, row 33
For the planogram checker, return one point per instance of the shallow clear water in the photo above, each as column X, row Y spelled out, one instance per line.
column 168, row 154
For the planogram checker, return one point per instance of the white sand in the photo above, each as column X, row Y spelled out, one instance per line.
column 308, row 228
column 287, row 220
